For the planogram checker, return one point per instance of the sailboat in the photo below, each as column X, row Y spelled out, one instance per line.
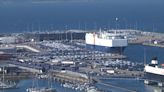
column 6, row 85
column 41, row 89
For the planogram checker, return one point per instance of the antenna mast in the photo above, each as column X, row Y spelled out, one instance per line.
column 144, row 56
column 116, row 24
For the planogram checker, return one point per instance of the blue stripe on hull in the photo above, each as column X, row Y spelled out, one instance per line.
column 105, row 49
column 154, row 77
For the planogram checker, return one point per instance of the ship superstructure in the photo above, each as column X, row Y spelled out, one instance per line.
column 112, row 42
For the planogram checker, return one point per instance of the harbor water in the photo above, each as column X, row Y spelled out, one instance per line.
column 136, row 53
column 136, row 85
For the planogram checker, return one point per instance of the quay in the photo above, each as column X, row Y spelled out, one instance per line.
column 27, row 47
column 30, row 69
column 19, row 47
column 155, row 45
column 20, row 76
column 72, row 77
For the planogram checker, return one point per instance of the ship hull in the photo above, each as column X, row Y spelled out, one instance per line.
column 154, row 77
column 105, row 48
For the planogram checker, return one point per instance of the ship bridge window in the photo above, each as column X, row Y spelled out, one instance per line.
column 153, row 65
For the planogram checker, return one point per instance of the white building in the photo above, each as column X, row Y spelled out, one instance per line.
column 8, row 39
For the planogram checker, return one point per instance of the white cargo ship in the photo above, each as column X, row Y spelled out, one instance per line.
column 111, row 42
column 154, row 73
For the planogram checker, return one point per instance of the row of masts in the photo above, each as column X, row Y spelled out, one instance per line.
column 116, row 22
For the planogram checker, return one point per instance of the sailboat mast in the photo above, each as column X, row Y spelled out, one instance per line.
column 3, row 78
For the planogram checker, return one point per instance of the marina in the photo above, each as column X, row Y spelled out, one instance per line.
column 81, row 46
column 71, row 63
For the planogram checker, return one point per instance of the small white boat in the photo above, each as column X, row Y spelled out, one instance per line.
column 41, row 90
column 92, row 89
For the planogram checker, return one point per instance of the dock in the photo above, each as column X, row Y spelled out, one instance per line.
column 72, row 77
column 28, row 47
column 155, row 45
column 14, row 46
column 30, row 69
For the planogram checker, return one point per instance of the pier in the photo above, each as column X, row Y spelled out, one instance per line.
column 73, row 77
column 30, row 69
column 155, row 45
column 13, row 46
column 28, row 47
